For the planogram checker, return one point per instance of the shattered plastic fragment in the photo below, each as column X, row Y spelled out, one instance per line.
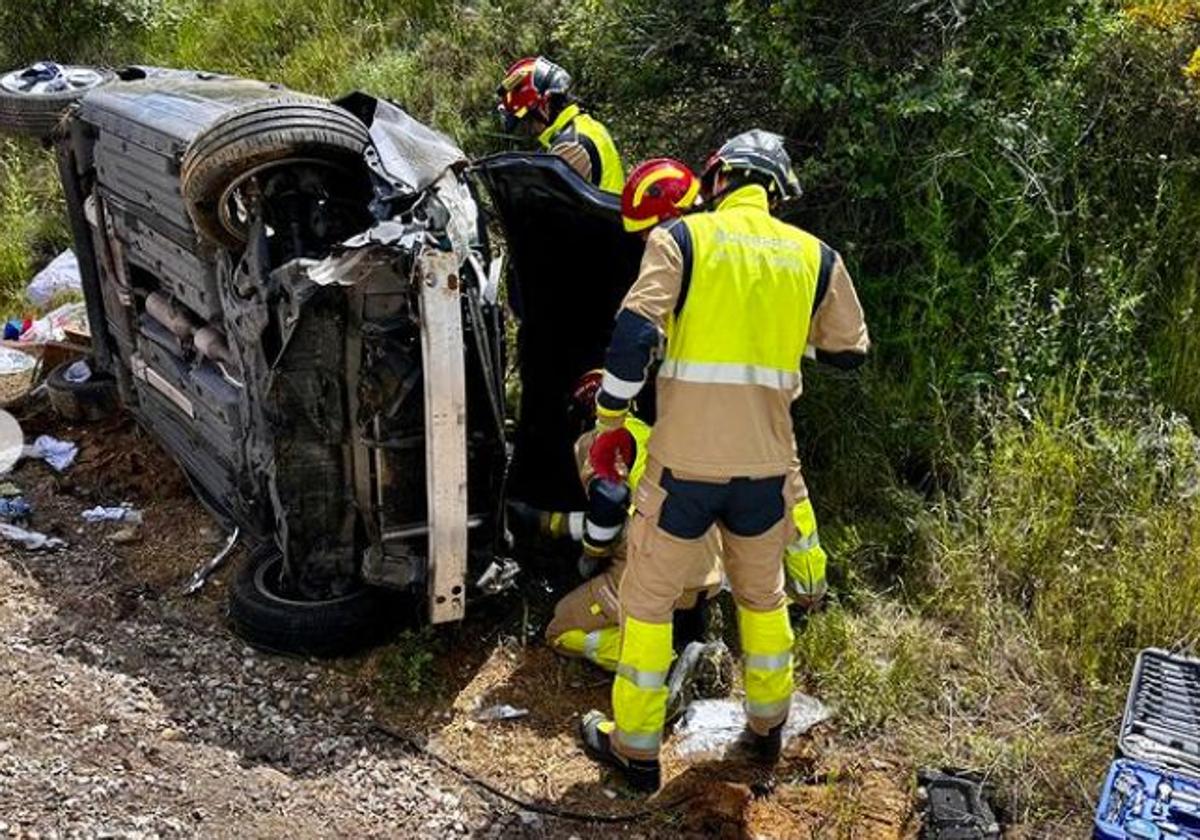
column 713, row 729
column 30, row 539
column 501, row 711
column 122, row 513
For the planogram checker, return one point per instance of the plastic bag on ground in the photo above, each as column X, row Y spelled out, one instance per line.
column 61, row 275
column 30, row 539
column 59, row 454
column 14, row 361
column 712, row 729
column 121, row 513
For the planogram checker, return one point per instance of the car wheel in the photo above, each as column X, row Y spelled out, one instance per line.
column 80, row 394
column 34, row 98
column 267, row 616
column 225, row 163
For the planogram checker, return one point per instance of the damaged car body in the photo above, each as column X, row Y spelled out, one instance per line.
column 293, row 297
column 298, row 300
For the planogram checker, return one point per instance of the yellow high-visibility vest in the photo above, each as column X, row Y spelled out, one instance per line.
column 612, row 173
column 749, row 299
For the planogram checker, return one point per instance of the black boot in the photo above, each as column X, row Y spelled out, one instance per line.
column 595, row 732
column 766, row 749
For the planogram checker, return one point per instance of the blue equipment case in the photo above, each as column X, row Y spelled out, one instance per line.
column 1153, row 790
column 1142, row 803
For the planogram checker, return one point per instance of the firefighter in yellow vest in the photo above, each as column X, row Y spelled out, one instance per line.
column 535, row 100
column 739, row 297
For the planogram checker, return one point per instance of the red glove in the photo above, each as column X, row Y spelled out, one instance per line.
column 610, row 448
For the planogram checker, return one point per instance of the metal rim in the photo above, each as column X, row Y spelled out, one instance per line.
column 267, row 582
column 233, row 208
column 51, row 80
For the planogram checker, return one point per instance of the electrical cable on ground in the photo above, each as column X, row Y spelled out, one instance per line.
column 548, row 810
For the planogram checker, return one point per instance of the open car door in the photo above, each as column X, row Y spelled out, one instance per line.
column 570, row 264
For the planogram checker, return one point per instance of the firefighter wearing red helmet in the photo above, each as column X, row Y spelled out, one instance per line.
column 739, row 298
column 658, row 190
column 535, row 100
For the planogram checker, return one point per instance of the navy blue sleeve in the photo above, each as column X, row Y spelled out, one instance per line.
column 634, row 341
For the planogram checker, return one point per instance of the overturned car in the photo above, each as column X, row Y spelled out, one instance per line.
column 297, row 298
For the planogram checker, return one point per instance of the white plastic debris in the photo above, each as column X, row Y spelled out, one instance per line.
column 54, row 326
column 712, row 730
column 61, row 275
column 14, row 361
column 34, row 540
column 12, row 442
column 78, row 372
column 121, row 513
column 501, row 711
column 59, row 454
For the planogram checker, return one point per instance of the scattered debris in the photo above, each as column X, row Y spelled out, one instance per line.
column 203, row 572
column 499, row 576
column 61, row 275
column 120, row 513
column 70, row 318
column 124, row 535
column 713, row 729
column 500, row 711
column 14, row 510
column 78, row 372
column 12, row 442
column 59, row 454
column 953, row 807
column 14, row 361
column 30, row 539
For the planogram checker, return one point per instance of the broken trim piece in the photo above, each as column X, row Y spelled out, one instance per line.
column 445, row 432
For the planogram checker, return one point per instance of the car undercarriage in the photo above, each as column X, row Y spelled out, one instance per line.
column 299, row 300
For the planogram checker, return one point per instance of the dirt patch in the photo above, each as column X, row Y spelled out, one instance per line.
column 197, row 723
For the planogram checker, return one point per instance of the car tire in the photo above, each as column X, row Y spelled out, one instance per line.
column 37, row 114
column 257, row 135
column 267, row 619
column 93, row 399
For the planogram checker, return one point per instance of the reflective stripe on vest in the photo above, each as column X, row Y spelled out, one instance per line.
column 612, row 173
column 749, row 302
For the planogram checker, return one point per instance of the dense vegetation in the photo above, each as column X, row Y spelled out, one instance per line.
column 1010, row 490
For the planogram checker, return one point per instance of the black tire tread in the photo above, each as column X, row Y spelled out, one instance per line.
column 319, row 629
column 38, row 116
column 292, row 126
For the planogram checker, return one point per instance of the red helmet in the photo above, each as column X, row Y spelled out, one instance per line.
column 528, row 85
column 582, row 411
column 657, row 190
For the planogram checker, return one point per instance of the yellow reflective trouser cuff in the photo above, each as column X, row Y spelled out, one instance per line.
column 601, row 646
column 767, row 664
column 639, row 693
column 805, row 560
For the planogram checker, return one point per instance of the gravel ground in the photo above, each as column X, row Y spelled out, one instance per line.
column 128, row 711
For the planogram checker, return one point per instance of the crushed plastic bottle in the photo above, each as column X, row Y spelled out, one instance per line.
column 12, row 510
column 122, row 513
